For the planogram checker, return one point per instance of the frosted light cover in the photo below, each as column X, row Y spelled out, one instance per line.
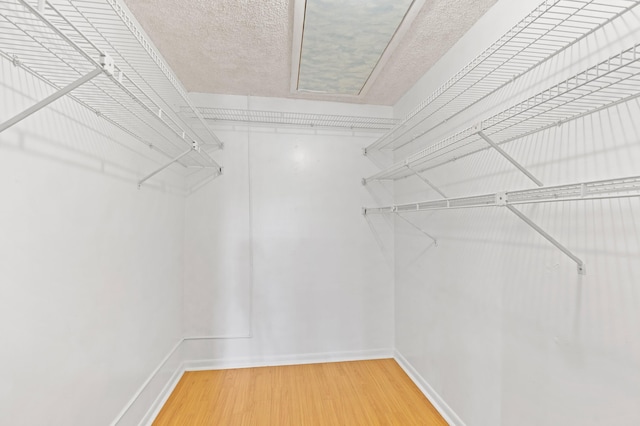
column 343, row 41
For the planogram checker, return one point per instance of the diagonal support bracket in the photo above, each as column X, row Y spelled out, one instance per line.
column 509, row 158
column 46, row 101
column 425, row 180
column 194, row 147
column 581, row 266
column 413, row 225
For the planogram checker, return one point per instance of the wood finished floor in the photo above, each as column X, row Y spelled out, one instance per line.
column 343, row 393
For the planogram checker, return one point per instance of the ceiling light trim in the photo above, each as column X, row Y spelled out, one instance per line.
column 396, row 38
column 299, row 11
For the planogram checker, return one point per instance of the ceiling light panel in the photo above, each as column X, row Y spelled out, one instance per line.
column 343, row 41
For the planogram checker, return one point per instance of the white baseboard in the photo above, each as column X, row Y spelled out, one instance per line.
column 164, row 395
column 436, row 400
column 293, row 359
column 125, row 417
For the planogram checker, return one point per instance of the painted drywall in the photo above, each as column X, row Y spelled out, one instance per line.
column 91, row 268
column 277, row 247
column 494, row 318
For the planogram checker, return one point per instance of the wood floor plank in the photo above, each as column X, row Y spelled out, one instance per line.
column 370, row 393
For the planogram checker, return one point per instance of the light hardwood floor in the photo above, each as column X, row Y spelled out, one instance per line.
column 343, row 393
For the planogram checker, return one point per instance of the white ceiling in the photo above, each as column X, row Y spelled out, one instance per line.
column 244, row 47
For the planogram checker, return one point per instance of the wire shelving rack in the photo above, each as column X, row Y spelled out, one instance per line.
column 551, row 28
column 95, row 52
column 297, row 119
column 626, row 187
column 610, row 82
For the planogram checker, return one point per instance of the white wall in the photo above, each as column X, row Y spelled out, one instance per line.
column 497, row 320
column 91, row 268
column 291, row 248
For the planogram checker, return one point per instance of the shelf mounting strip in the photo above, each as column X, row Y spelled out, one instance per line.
column 551, row 28
column 596, row 190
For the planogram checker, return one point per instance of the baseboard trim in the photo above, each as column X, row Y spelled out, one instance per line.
column 163, row 396
column 144, row 386
column 436, row 400
column 292, row 359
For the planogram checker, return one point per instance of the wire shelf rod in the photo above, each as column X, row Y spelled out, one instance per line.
column 594, row 190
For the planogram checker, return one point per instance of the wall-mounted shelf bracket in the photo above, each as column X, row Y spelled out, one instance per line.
column 107, row 64
column 618, row 188
column 581, row 266
column 49, row 99
column 416, row 227
column 425, row 180
column 509, row 158
column 194, row 147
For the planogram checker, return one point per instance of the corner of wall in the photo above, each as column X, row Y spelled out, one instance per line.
column 434, row 398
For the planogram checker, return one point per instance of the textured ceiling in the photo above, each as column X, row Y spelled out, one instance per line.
column 243, row 47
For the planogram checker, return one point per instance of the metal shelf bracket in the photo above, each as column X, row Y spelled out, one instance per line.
column 581, row 266
column 425, row 180
column 416, row 227
column 617, row 188
column 194, row 147
column 107, row 66
column 507, row 156
column 49, row 99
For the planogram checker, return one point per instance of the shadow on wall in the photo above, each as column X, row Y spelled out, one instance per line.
column 382, row 226
column 516, row 305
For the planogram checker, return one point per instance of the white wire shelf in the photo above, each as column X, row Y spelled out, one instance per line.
column 596, row 190
column 297, row 119
column 606, row 84
column 551, row 28
column 135, row 90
